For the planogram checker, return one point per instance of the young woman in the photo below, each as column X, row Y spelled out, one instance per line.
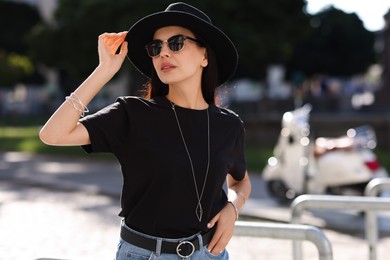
column 182, row 157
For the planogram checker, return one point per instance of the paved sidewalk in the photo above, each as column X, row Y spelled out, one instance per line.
column 345, row 230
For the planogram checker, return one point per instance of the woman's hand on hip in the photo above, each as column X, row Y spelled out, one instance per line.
column 224, row 220
column 108, row 45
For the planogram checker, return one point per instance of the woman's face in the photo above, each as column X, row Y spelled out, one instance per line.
column 184, row 66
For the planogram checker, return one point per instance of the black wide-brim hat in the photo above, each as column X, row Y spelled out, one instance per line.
column 187, row 16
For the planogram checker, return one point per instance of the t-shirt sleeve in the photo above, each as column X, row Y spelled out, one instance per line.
column 107, row 128
column 238, row 167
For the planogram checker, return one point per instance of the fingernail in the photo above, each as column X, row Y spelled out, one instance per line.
column 208, row 225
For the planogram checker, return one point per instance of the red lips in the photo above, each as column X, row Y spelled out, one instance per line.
column 166, row 66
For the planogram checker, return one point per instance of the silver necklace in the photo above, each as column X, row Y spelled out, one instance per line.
column 199, row 208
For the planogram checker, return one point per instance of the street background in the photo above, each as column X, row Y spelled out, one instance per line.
column 57, row 202
column 66, row 208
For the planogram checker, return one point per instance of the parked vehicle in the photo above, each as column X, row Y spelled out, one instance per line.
column 304, row 165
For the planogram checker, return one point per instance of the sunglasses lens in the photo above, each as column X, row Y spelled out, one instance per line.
column 176, row 43
column 154, row 48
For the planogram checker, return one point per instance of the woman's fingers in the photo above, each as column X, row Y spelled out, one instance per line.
column 117, row 42
column 112, row 41
column 215, row 238
column 221, row 238
column 224, row 220
column 112, row 50
column 123, row 49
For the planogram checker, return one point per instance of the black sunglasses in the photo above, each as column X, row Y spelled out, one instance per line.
column 175, row 44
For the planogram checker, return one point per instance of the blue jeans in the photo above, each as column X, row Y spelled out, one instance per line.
column 127, row 251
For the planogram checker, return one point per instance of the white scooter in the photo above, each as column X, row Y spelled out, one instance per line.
column 339, row 166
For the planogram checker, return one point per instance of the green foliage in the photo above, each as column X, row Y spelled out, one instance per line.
column 25, row 139
column 338, row 45
column 13, row 68
column 257, row 157
column 263, row 31
column 19, row 139
column 16, row 20
column 71, row 43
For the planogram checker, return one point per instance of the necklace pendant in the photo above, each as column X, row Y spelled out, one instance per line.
column 199, row 195
column 199, row 211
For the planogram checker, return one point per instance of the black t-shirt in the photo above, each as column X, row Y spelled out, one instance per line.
column 158, row 194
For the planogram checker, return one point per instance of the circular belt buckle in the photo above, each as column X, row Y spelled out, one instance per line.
column 185, row 249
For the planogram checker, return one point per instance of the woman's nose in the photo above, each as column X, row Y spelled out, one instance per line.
column 165, row 51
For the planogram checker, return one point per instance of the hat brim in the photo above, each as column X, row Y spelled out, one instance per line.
column 142, row 33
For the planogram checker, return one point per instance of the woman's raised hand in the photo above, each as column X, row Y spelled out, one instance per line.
column 108, row 45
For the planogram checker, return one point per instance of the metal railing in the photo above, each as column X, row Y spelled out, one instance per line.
column 377, row 185
column 304, row 202
column 287, row 231
column 373, row 189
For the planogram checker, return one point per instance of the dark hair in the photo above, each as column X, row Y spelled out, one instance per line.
column 155, row 87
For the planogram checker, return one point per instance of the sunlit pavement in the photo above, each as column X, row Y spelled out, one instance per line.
column 38, row 223
column 68, row 221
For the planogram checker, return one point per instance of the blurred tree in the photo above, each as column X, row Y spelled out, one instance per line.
column 338, row 45
column 13, row 68
column 264, row 31
column 16, row 21
column 71, row 43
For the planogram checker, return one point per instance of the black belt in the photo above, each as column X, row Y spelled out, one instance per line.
column 183, row 248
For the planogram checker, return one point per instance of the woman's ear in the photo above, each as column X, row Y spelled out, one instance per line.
column 205, row 61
